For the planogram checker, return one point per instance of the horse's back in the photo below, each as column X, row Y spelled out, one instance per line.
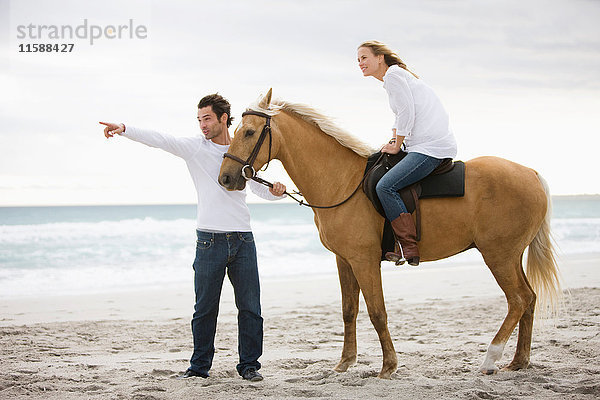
column 489, row 174
column 503, row 202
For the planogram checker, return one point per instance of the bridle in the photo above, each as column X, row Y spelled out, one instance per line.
column 249, row 163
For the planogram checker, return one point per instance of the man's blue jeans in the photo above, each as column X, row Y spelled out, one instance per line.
column 216, row 254
column 412, row 168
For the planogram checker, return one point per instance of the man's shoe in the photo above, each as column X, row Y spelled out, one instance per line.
column 191, row 373
column 252, row 375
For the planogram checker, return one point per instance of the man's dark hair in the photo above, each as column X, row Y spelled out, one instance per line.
column 219, row 106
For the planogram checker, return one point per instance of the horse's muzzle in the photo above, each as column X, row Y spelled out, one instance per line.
column 231, row 181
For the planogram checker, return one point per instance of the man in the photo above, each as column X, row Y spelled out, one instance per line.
column 225, row 241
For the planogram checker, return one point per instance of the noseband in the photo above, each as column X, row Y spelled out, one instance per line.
column 248, row 165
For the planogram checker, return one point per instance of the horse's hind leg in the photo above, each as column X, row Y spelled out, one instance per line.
column 521, row 359
column 508, row 273
column 350, row 294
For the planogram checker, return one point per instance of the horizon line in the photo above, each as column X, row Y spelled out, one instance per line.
column 283, row 201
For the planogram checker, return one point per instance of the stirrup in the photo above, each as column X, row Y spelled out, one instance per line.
column 395, row 258
column 398, row 259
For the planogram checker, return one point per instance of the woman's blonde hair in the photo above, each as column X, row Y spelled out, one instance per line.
column 390, row 58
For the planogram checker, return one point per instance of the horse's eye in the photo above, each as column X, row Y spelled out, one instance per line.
column 249, row 132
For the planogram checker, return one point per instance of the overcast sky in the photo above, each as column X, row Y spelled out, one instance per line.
column 521, row 80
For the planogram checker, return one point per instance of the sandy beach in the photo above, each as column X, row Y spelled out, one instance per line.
column 132, row 345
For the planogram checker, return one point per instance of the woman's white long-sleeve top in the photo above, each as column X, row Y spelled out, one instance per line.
column 420, row 115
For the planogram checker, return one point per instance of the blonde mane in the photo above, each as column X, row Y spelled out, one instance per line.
column 324, row 123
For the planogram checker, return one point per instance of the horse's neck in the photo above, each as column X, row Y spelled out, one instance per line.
column 324, row 171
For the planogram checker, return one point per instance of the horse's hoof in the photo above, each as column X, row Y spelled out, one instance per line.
column 489, row 371
column 515, row 366
column 385, row 375
column 388, row 370
column 344, row 365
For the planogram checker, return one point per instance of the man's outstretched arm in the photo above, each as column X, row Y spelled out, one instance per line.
column 184, row 147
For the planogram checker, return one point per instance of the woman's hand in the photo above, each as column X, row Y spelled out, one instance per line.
column 394, row 146
column 391, row 148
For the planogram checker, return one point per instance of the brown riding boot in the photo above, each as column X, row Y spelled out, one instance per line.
column 406, row 235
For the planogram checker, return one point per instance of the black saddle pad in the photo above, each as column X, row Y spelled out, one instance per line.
column 447, row 184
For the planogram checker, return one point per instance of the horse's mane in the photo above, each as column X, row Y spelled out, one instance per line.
column 324, row 123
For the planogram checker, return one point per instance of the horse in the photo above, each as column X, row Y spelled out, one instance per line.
column 505, row 209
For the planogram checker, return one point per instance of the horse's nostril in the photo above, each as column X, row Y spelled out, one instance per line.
column 225, row 180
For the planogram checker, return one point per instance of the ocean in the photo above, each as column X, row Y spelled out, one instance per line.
column 93, row 249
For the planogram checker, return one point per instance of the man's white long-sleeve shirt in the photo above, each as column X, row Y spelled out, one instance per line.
column 218, row 209
column 420, row 115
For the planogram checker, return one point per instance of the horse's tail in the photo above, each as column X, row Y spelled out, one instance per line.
column 542, row 270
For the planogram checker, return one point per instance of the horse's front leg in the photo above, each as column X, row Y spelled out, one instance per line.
column 350, row 293
column 368, row 276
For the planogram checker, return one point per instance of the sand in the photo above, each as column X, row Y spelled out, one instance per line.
column 133, row 345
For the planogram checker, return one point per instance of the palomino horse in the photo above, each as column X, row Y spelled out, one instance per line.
column 506, row 208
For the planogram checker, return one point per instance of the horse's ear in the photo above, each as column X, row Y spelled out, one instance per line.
column 266, row 100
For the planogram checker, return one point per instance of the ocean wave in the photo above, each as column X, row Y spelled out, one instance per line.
column 84, row 257
column 95, row 230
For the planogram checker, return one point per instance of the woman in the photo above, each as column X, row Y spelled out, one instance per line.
column 421, row 125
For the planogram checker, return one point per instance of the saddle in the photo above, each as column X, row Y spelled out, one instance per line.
column 447, row 180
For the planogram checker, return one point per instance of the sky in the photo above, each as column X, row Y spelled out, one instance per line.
column 520, row 80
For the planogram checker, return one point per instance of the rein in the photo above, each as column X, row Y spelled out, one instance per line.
column 250, row 162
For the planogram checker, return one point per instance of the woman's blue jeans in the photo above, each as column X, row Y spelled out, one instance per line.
column 233, row 253
column 412, row 168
